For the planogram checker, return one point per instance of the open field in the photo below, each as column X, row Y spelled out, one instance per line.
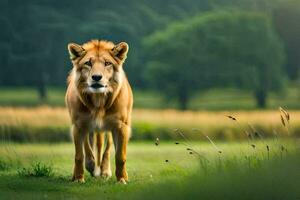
column 238, row 171
column 52, row 124
column 214, row 99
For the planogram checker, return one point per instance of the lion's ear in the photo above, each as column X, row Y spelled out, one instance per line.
column 120, row 50
column 75, row 51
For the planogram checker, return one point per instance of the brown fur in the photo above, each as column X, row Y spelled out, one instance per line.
column 105, row 109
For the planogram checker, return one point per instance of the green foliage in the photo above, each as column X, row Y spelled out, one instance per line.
column 4, row 165
column 216, row 49
column 37, row 169
column 22, row 133
column 276, row 180
column 286, row 19
column 35, row 35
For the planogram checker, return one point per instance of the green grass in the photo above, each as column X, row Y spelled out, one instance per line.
column 214, row 99
column 238, row 171
column 29, row 97
column 37, row 169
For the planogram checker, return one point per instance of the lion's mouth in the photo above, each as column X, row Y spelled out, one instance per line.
column 97, row 85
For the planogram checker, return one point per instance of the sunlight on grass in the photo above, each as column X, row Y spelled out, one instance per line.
column 50, row 124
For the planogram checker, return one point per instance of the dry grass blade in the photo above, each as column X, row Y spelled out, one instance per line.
column 285, row 119
column 231, row 117
column 268, row 150
column 182, row 135
column 214, row 145
column 282, row 120
column 188, row 144
column 286, row 114
column 255, row 132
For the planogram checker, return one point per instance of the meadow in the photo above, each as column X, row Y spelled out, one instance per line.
column 195, row 154
column 165, row 171
column 23, row 117
column 51, row 124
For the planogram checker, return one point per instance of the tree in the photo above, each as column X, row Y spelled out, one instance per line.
column 38, row 31
column 286, row 19
column 217, row 49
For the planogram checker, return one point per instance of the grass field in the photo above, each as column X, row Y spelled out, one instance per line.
column 260, row 159
column 151, row 177
column 52, row 124
column 214, row 99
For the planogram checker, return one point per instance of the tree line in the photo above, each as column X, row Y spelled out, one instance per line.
column 183, row 46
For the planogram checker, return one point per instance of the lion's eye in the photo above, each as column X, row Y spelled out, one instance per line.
column 88, row 63
column 107, row 63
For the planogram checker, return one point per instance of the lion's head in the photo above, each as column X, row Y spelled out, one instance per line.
column 98, row 65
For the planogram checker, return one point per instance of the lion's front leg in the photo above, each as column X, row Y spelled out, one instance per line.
column 89, row 155
column 105, row 164
column 121, row 136
column 78, row 136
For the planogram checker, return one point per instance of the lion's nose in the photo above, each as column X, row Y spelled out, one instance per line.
column 96, row 77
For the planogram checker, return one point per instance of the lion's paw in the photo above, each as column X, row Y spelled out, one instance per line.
column 78, row 180
column 122, row 181
column 106, row 173
column 97, row 172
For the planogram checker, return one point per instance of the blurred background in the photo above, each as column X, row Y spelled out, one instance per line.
column 216, row 97
column 191, row 63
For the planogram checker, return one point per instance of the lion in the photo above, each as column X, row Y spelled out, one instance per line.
column 99, row 99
